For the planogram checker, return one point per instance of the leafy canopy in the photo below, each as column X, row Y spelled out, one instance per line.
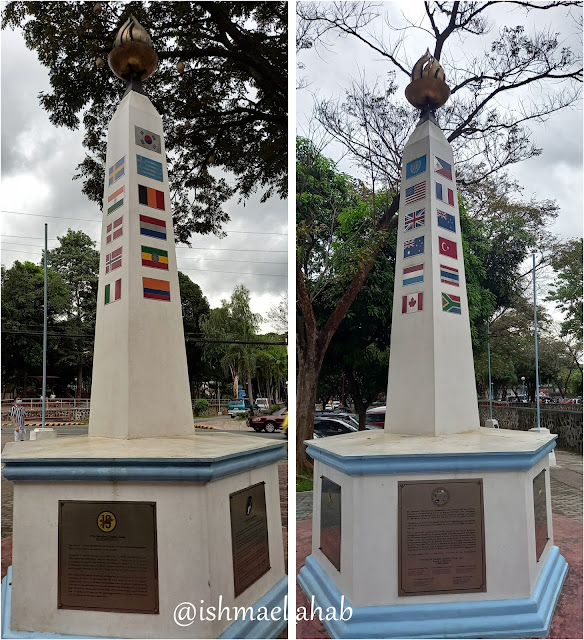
column 233, row 92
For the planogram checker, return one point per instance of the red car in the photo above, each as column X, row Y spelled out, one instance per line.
column 270, row 423
column 376, row 418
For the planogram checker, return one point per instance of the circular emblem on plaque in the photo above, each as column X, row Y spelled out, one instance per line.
column 106, row 521
column 415, row 167
column 440, row 496
column 248, row 505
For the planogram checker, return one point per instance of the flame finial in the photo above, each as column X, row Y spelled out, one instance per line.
column 133, row 58
column 428, row 89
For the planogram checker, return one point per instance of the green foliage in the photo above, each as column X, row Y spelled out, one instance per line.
column 566, row 292
column 195, row 307
column 201, row 406
column 233, row 91
column 22, row 310
column 304, row 484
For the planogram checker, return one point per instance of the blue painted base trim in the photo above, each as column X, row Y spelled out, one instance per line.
column 384, row 465
column 141, row 469
column 277, row 596
column 520, row 618
column 6, row 616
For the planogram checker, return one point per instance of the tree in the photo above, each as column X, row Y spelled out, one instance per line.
column 233, row 91
column 195, row 308
column 234, row 322
column 22, row 314
column 278, row 315
column 77, row 261
column 567, row 290
column 373, row 127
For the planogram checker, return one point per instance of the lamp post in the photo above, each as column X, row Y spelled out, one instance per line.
column 523, row 389
column 536, row 347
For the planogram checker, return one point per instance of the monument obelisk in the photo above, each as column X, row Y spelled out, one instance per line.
column 139, row 366
column 431, row 363
column 433, row 527
column 143, row 529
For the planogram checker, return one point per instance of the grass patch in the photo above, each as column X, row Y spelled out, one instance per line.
column 303, row 483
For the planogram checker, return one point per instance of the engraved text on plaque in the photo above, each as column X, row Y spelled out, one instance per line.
column 441, row 537
column 108, row 556
column 330, row 521
column 540, row 513
column 249, row 536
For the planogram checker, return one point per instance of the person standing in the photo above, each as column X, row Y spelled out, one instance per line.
column 17, row 416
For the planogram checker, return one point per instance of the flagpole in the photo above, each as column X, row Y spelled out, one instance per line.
column 44, row 404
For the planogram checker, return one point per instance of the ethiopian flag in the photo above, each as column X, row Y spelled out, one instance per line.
column 156, row 258
column 451, row 303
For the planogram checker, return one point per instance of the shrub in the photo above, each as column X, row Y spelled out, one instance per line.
column 201, row 406
column 274, row 408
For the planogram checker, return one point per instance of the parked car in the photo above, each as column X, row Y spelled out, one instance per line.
column 376, row 418
column 345, row 415
column 573, row 401
column 268, row 423
column 332, row 426
column 262, row 405
column 238, row 407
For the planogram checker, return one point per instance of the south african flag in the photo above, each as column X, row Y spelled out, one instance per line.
column 451, row 303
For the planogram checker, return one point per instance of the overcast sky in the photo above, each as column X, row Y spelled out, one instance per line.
column 556, row 174
column 38, row 163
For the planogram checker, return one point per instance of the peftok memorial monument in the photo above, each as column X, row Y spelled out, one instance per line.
column 115, row 533
column 444, row 528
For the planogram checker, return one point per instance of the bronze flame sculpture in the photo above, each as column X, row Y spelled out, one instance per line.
column 133, row 58
column 428, row 90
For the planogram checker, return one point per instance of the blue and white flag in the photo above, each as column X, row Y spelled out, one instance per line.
column 149, row 168
column 446, row 221
column 415, row 167
column 413, row 247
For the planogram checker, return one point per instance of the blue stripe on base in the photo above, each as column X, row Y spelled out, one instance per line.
column 519, row 618
column 387, row 465
column 141, row 469
column 276, row 597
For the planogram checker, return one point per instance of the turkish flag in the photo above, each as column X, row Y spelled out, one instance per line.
column 447, row 247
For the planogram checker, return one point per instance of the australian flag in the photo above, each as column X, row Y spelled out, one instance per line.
column 446, row 221
column 413, row 247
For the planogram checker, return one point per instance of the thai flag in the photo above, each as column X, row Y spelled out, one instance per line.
column 449, row 275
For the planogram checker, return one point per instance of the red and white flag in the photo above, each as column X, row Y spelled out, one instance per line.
column 412, row 302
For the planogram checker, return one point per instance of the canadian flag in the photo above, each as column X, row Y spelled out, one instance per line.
column 412, row 302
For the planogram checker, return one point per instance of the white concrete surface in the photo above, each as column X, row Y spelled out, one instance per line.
column 140, row 380
column 207, row 445
column 194, row 554
column 431, row 386
column 382, row 443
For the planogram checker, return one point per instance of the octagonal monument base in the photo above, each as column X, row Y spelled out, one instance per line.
column 523, row 579
column 190, row 480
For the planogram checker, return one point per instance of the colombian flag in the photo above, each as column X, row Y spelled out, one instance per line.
column 156, row 258
column 156, row 289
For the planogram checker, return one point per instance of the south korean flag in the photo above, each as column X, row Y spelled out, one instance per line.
column 148, row 140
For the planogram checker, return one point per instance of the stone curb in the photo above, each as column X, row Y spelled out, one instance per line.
column 49, row 424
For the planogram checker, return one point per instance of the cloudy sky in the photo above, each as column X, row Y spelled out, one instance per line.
column 39, row 160
column 556, row 174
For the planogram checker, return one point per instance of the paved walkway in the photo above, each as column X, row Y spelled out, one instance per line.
column 566, row 488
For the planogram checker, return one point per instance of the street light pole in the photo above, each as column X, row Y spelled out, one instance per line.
column 44, row 407
column 536, row 347
column 489, row 359
column 523, row 390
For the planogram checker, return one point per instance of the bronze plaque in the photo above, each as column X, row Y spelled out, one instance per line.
column 330, row 521
column 249, row 536
column 441, row 537
column 540, row 514
column 108, row 559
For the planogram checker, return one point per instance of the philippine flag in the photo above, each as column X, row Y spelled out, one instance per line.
column 442, row 167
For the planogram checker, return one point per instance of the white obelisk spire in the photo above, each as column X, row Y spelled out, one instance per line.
column 431, row 385
column 140, row 384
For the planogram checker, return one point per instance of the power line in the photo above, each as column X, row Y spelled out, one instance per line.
column 6, row 235
column 43, row 215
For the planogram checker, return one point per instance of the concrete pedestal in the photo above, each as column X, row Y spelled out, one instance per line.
column 41, row 433
column 521, row 590
column 190, row 478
